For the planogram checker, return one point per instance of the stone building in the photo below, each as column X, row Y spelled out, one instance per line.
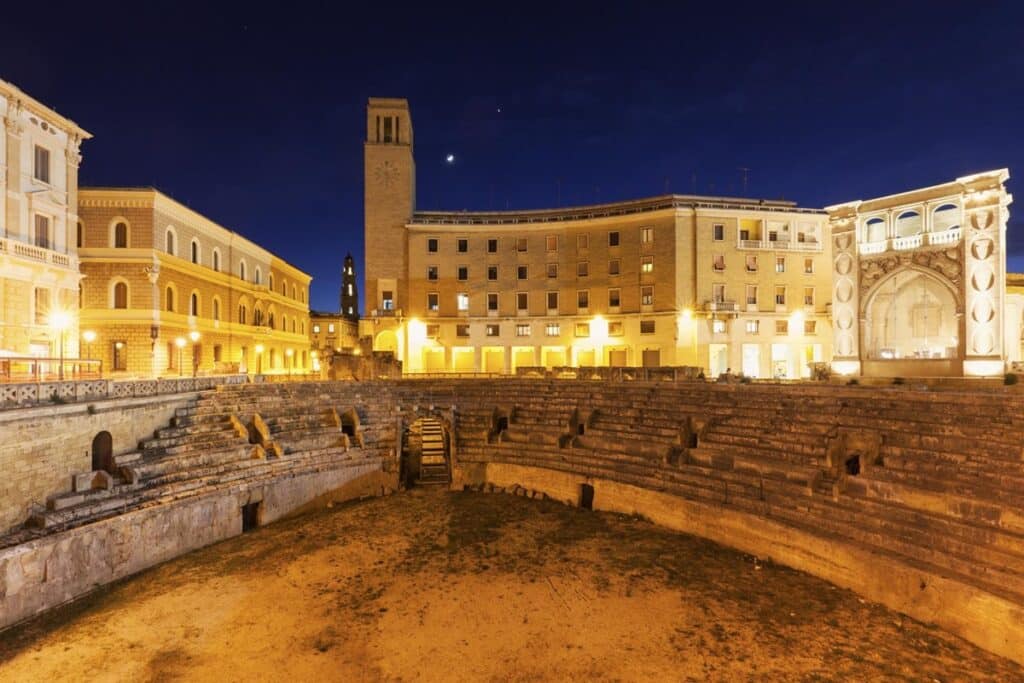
column 333, row 332
column 715, row 282
column 39, row 276
column 157, row 273
column 919, row 282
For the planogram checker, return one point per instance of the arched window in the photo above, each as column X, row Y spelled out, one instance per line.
column 194, row 304
column 216, row 259
column 293, row 325
column 170, row 241
column 270, row 282
column 270, row 320
column 241, row 314
column 946, row 217
column 216, row 308
column 294, row 295
column 284, row 323
column 259, row 276
column 121, row 295
column 908, row 224
column 121, row 236
column 170, row 299
column 81, row 235
column 195, row 252
column 874, row 230
column 241, row 270
column 284, row 289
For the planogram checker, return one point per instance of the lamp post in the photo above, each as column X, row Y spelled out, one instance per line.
column 194, row 336
column 259, row 359
column 59, row 321
column 289, row 353
column 180, row 343
column 89, row 336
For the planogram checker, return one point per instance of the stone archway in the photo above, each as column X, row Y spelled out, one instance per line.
column 911, row 314
column 103, row 453
column 386, row 340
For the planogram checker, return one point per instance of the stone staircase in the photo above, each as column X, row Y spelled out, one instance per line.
column 434, row 459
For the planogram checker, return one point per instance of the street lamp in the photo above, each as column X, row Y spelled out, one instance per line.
column 60, row 321
column 194, row 336
column 89, row 336
column 259, row 359
column 288, row 353
column 180, row 343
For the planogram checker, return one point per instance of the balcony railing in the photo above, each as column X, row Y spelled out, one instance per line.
column 33, row 252
column 779, row 245
column 951, row 236
column 714, row 306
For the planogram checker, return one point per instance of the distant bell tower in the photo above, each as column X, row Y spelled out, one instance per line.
column 389, row 177
column 349, row 291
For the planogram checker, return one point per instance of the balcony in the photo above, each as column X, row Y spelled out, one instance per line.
column 33, row 253
column 714, row 306
column 951, row 236
column 779, row 245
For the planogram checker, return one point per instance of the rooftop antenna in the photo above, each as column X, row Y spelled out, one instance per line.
column 744, row 170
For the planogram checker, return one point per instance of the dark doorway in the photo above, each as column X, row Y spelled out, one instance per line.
column 250, row 516
column 853, row 465
column 502, row 424
column 103, row 453
column 586, row 496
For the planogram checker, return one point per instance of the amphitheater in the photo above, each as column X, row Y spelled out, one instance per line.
column 908, row 497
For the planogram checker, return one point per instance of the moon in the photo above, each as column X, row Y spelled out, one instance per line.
column 450, row 158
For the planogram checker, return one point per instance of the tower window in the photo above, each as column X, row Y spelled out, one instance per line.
column 387, row 129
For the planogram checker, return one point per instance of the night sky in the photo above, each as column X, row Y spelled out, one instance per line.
column 255, row 117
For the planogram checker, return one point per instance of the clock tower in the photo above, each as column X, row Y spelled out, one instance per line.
column 389, row 177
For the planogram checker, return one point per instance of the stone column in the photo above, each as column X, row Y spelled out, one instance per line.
column 846, row 353
column 984, row 282
column 12, row 197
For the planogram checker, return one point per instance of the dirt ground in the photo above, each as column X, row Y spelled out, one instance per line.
column 430, row 585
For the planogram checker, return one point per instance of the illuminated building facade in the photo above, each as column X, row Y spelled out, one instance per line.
column 167, row 291
column 715, row 282
column 39, row 276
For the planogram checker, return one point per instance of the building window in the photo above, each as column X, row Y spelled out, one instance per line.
column 751, row 264
column 780, row 264
column 718, row 262
column 120, row 353
column 432, row 301
column 523, row 330
column 646, row 327
column 552, row 301
column 551, row 242
column 462, row 273
column 613, row 298
column 216, row 309
column 521, row 272
column 492, row 246
column 522, row 301
column 781, row 327
column 195, row 252
column 809, row 266
column 717, row 326
column 193, row 305
column 492, row 302
column 433, row 331
column 462, row 330
column 583, row 241
column 170, row 300
column 718, row 232
column 492, row 272
column 582, row 269
column 170, row 242
column 79, row 242
column 493, row 330
column 330, row 328
column 216, row 260
column 753, row 326
column 613, row 267
column 613, row 238
column 42, row 236
column 780, row 296
column 553, row 329
column 241, row 314
column 432, row 272
column 121, row 236
column 646, row 235
column 258, row 279
column 432, row 245
column 751, row 295
column 809, row 327
column 615, row 329
column 42, row 303
column 462, row 301
column 316, row 329
column 552, row 270
column 583, row 299
column 521, row 244
column 647, row 296
column 41, row 170
column 387, row 300
column 647, row 264
column 241, row 270
column 121, row 295
column 462, row 245
column 808, row 296
column 582, row 329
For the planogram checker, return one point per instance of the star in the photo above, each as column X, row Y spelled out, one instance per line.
column 450, row 158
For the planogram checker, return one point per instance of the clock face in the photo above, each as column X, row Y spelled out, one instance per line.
column 387, row 173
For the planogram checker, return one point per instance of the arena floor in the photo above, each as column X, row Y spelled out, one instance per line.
column 430, row 585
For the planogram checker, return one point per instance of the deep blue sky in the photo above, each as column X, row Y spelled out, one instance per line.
column 255, row 117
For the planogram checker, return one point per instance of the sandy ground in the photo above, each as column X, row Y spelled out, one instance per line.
column 431, row 585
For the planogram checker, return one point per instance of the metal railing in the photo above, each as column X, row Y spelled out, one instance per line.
column 36, row 369
column 17, row 395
